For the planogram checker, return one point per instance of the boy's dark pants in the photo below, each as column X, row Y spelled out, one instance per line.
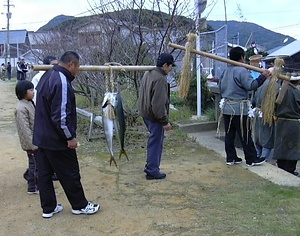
column 32, row 171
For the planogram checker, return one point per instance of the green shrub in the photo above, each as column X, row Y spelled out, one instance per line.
column 206, row 95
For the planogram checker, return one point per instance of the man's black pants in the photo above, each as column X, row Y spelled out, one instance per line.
column 232, row 125
column 65, row 164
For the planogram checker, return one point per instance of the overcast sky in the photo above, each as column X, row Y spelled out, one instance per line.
column 276, row 15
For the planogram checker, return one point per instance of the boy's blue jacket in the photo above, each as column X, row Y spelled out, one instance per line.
column 55, row 114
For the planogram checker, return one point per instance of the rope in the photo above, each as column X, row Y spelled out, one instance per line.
column 185, row 76
column 268, row 104
column 109, row 76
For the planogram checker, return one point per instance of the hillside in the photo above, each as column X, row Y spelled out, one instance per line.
column 55, row 22
column 248, row 32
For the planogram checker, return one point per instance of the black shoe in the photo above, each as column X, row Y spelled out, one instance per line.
column 256, row 162
column 259, row 161
column 54, row 177
column 156, row 176
column 237, row 160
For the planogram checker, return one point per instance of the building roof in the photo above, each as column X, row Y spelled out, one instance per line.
column 286, row 51
column 15, row 36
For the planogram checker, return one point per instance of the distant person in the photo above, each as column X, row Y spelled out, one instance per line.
column 21, row 69
column 287, row 128
column 254, row 48
column 235, row 84
column 3, row 69
column 8, row 69
column 153, row 105
column 49, row 60
column 24, row 116
column 55, row 135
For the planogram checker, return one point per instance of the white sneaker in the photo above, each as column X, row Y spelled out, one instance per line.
column 57, row 209
column 88, row 210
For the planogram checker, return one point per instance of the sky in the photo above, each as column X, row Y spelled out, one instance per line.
column 276, row 15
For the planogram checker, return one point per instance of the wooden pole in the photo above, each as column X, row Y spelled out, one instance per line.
column 226, row 60
column 99, row 68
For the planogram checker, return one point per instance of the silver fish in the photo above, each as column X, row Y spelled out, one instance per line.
column 108, row 120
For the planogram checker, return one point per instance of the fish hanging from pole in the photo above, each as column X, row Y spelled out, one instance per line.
column 108, row 118
column 113, row 118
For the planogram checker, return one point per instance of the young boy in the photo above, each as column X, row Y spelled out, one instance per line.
column 24, row 115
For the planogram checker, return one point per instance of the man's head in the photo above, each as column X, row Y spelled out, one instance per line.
column 22, row 60
column 70, row 61
column 295, row 79
column 237, row 54
column 166, row 62
column 255, row 60
column 50, row 60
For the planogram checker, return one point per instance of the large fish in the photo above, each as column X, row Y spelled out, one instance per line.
column 108, row 119
column 120, row 124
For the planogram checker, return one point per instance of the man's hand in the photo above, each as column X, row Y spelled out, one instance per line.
column 167, row 127
column 266, row 73
column 73, row 143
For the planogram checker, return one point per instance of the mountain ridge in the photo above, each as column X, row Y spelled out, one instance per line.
column 242, row 33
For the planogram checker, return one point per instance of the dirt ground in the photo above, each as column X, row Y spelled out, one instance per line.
column 130, row 204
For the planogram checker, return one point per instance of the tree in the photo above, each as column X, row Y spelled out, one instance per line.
column 128, row 32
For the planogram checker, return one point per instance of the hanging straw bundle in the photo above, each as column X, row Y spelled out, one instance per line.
column 268, row 104
column 185, row 76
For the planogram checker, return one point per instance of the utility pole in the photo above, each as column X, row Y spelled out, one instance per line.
column 8, row 16
column 200, row 7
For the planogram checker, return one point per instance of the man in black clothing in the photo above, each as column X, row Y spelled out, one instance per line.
column 55, row 135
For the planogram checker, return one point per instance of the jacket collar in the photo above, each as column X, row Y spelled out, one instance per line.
column 63, row 70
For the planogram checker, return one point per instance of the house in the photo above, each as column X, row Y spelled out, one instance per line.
column 18, row 42
column 291, row 55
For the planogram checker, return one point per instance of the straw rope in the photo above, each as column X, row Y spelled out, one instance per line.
column 185, row 75
column 110, row 87
column 268, row 104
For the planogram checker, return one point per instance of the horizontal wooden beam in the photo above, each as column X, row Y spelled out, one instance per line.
column 99, row 68
column 226, row 60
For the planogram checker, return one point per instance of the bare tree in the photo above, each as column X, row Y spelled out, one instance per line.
column 132, row 32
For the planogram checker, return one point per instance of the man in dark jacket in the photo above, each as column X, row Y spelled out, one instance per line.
column 153, row 105
column 55, row 135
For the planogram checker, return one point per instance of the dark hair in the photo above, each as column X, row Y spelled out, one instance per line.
column 69, row 56
column 236, row 53
column 47, row 60
column 22, row 87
